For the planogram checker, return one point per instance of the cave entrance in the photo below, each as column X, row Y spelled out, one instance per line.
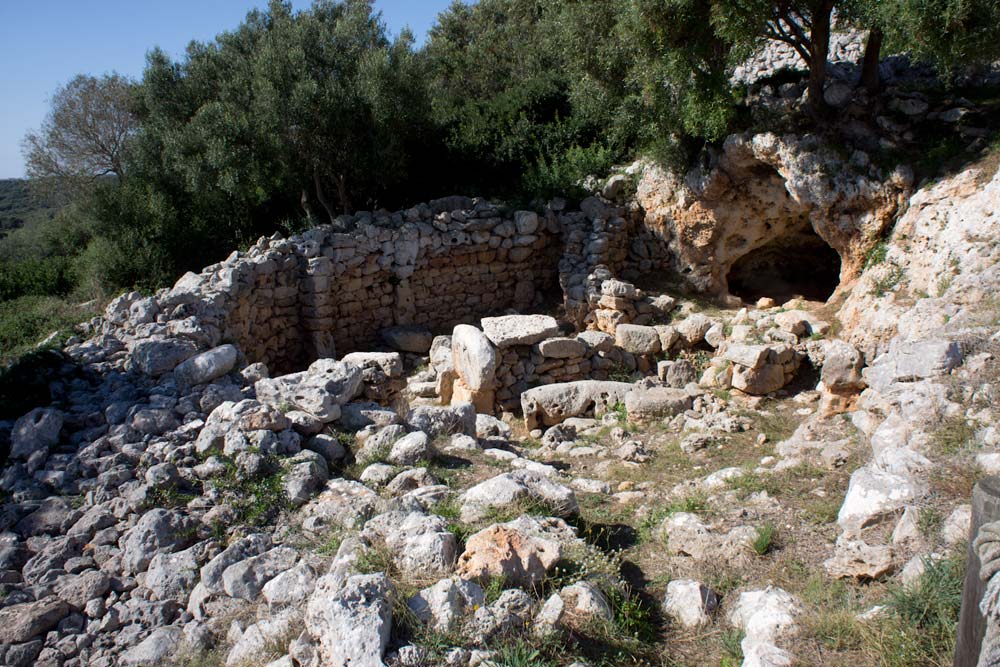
column 798, row 264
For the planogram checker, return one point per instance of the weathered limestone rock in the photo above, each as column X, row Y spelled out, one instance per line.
column 690, row 602
column 800, row 323
column 435, row 421
column 842, row 366
column 246, row 578
column 562, row 348
column 351, row 619
column 158, row 355
column 553, row 404
column 519, row 486
column 916, row 360
column 512, row 330
column 420, row 544
column 445, row 605
column 874, row 493
column 656, row 403
column 499, row 551
column 410, row 449
column 760, row 382
column 158, row 531
column 767, row 618
column 320, row 390
column 154, row 649
column 854, row 559
column 207, row 366
column 79, row 589
column 22, row 622
column 37, row 430
column 637, row 339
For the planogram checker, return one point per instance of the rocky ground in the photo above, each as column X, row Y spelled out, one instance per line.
column 756, row 484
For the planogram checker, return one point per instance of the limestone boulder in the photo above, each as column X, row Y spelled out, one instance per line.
column 420, row 544
column 157, row 531
column 693, row 328
column 22, row 622
column 207, row 366
column 350, row 620
column 321, row 390
column 562, row 348
column 912, row 361
column 173, row 576
column 552, row 404
column 801, row 323
column 842, row 365
column 510, row 330
column 500, row 551
column 758, row 382
column 690, row 603
column 445, row 605
column 872, row 494
column 410, row 449
column 155, row 649
column 768, row 619
column 520, row 487
column 79, row 589
column 239, row 551
column 637, row 339
column 156, row 356
column 37, row 430
column 246, row 578
column 437, row 421
column 656, row 403
column 855, row 559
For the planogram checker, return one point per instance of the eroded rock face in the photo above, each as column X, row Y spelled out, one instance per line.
column 758, row 189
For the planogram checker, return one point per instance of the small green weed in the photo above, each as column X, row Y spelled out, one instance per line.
column 732, row 641
column 764, row 541
column 888, row 281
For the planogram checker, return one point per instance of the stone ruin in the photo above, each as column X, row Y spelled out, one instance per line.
column 391, row 281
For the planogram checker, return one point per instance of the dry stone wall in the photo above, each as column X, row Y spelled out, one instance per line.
column 285, row 302
column 334, row 289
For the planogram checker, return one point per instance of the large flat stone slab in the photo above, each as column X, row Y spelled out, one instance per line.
column 519, row 329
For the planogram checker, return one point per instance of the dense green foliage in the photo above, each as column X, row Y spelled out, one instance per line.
column 293, row 118
column 18, row 206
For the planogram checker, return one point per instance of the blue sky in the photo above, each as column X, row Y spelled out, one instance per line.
column 44, row 43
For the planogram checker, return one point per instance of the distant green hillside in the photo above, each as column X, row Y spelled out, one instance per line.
column 18, row 207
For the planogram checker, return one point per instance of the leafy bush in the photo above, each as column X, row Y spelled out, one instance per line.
column 563, row 175
column 36, row 277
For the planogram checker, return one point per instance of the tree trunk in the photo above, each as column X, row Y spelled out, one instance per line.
column 321, row 196
column 820, row 52
column 307, row 207
column 342, row 194
column 869, row 69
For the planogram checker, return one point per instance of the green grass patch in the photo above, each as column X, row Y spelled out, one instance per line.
column 26, row 321
column 921, row 627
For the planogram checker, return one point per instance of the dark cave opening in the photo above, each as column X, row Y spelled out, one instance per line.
column 799, row 264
